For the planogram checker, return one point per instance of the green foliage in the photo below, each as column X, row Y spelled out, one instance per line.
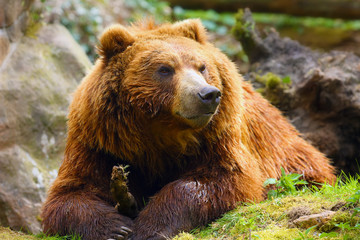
column 354, row 200
column 274, row 88
column 82, row 18
column 84, row 21
column 286, row 80
column 283, row 20
column 272, row 81
column 56, row 237
column 305, row 235
column 285, row 185
column 160, row 11
column 219, row 23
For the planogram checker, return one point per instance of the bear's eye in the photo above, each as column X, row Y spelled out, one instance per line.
column 202, row 68
column 165, row 71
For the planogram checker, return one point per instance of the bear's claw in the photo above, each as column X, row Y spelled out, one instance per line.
column 122, row 234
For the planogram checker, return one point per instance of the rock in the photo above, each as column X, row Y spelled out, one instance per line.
column 37, row 75
column 11, row 10
column 322, row 96
column 13, row 19
column 312, row 220
column 4, row 48
column 36, row 80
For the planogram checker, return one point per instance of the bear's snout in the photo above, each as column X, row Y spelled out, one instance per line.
column 210, row 97
column 197, row 100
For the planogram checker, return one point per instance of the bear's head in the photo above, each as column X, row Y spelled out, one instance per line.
column 165, row 71
column 152, row 84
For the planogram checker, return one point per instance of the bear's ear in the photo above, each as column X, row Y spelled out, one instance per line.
column 191, row 28
column 115, row 39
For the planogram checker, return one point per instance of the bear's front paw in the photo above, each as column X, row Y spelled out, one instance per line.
column 121, row 234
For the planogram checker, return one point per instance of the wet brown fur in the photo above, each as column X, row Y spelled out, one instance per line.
column 191, row 175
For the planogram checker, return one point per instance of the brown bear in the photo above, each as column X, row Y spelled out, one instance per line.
column 197, row 138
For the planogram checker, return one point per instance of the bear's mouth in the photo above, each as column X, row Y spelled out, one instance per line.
column 197, row 121
column 209, row 114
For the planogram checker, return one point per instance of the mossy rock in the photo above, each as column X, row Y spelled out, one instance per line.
column 36, row 82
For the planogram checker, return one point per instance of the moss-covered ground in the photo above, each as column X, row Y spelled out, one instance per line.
column 8, row 234
column 273, row 218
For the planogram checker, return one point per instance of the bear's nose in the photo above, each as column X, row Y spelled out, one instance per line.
column 210, row 95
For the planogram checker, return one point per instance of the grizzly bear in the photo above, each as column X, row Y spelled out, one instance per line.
column 197, row 138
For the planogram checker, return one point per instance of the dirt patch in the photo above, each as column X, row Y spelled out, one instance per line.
column 297, row 212
column 338, row 206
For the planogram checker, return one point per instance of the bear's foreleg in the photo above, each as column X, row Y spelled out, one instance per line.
column 84, row 214
column 191, row 202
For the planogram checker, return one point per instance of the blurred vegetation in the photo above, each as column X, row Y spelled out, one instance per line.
column 80, row 17
column 85, row 21
column 160, row 11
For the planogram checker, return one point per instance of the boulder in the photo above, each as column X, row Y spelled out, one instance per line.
column 13, row 18
column 37, row 77
column 308, row 221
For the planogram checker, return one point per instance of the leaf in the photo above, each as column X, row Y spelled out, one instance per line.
column 286, row 80
column 330, row 234
column 344, row 226
column 309, row 229
column 301, row 182
column 295, row 176
column 283, row 171
column 270, row 181
column 272, row 194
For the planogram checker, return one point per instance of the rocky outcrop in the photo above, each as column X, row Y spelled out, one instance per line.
column 38, row 72
column 318, row 92
column 13, row 21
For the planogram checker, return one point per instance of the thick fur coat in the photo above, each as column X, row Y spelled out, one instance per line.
column 199, row 140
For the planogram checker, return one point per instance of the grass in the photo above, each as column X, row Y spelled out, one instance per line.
column 270, row 219
column 8, row 234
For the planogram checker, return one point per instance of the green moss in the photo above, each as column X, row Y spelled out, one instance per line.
column 272, row 81
column 276, row 232
column 8, row 234
column 33, row 28
column 274, row 88
column 269, row 219
column 184, row 236
column 243, row 30
column 338, row 220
